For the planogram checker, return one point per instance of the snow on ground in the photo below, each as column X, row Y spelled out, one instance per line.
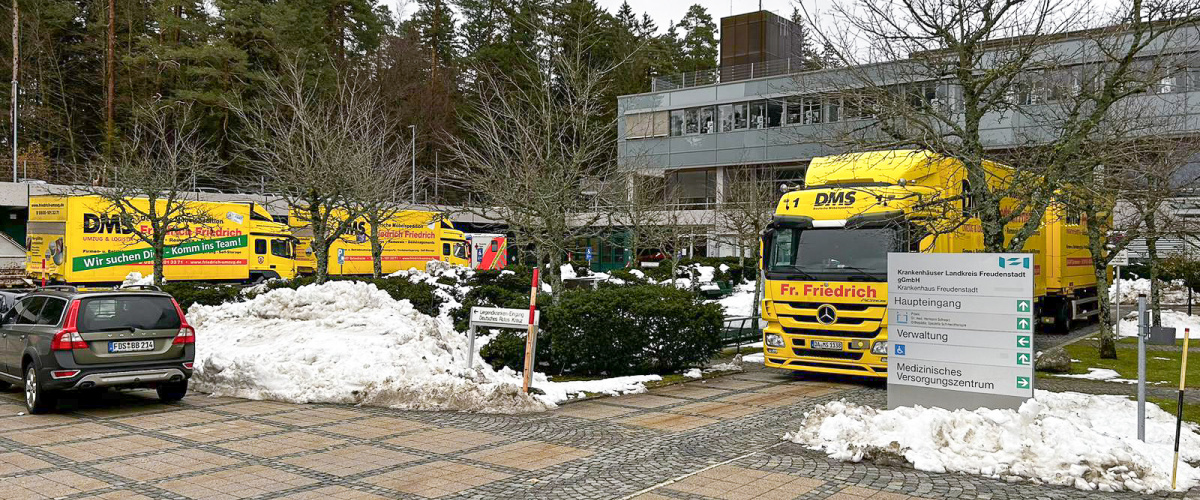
column 757, row 357
column 694, row 373
column 1069, row 439
column 1172, row 292
column 1104, row 374
column 615, row 386
column 1170, row 318
column 345, row 342
column 740, row 303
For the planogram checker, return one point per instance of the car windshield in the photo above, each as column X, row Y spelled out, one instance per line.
column 132, row 312
column 850, row 254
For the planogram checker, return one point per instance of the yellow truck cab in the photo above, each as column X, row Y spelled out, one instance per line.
column 83, row 240
column 825, row 256
column 411, row 239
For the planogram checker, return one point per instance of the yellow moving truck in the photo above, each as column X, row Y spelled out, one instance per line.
column 411, row 239
column 82, row 240
column 825, row 255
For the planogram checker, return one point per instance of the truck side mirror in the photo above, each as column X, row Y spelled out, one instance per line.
column 765, row 244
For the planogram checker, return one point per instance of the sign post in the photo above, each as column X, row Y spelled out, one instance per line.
column 531, row 340
column 960, row 330
column 495, row 317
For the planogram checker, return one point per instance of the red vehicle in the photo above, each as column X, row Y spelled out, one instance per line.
column 488, row 251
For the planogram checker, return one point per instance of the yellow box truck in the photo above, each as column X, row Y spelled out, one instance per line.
column 825, row 255
column 83, row 240
column 411, row 239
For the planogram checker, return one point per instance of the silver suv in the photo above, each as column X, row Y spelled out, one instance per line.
column 57, row 339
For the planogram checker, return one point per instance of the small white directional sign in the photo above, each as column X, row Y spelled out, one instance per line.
column 960, row 330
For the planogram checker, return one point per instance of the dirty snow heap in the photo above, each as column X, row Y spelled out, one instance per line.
column 1066, row 439
column 345, row 342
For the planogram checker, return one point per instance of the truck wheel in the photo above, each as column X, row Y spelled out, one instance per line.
column 37, row 399
column 172, row 391
column 1062, row 317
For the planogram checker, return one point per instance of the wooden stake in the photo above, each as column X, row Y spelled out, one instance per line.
column 531, row 338
column 1179, row 407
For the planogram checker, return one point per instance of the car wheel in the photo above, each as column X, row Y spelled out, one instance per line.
column 37, row 399
column 172, row 391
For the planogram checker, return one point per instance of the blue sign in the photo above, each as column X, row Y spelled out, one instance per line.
column 588, row 254
column 899, row 349
column 341, row 256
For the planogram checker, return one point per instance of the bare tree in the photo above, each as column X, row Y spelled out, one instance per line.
column 316, row 149
column 936, row 75
column 534, row 152
column 751, row 198
column 376, row 195
column 147, row 179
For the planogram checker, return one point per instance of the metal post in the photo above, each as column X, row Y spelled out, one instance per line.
column 16, row 19
column 471, row 348
column 414, row 163
column 1141, row 387
column 1117, row 305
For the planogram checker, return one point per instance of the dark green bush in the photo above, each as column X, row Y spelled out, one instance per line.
column 508, row 349
column 205, row 294
column 631, row 330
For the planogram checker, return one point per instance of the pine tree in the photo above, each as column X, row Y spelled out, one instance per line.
column 436, row 24
column 698, row 46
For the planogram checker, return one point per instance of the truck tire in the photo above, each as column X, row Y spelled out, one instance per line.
column 1062, row 317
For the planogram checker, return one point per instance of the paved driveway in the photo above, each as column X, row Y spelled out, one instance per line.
column 716, row 439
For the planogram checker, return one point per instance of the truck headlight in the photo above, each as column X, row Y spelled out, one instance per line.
column 774, row 340
column 879, row 348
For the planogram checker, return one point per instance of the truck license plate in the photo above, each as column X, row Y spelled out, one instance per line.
column 131, row 346
column 826, row 344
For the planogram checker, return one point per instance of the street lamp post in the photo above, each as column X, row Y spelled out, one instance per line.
column 413, row 152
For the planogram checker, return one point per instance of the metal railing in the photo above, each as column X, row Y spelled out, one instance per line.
column 727, row 74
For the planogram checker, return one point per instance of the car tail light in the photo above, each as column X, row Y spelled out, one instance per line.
column 189, row 365
column 187, row 334
column 61, row 374
column 68, row 338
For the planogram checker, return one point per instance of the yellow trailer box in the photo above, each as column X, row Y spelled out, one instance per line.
column 82, row 239
column 411, row 239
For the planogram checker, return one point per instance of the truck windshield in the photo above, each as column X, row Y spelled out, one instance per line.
column 848, row 254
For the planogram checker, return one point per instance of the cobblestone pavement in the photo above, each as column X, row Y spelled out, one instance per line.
column 701, row 440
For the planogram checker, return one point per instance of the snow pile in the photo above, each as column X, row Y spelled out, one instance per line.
column 694, row 373
column 1170, row 318
column 136, row 278
column 740, row 303
column 615, row 386
column 451, row 294
column 757, row 357
column 1103, row 374
column 1174, row 292
column 345, row 342
column 1069, row 439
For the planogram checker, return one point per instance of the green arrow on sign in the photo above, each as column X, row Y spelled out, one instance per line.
column 1023, row 358
column 1022, row 382
column 1022, row 323
column 1022, row 306
column 1022, row 341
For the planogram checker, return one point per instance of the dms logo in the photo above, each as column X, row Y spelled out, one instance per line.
column 1006, row 262
column 102, row 223
column 837, row 198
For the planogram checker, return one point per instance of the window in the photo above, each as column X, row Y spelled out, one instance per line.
column 52, row 311
column 726, row 115
column 677, row 122
column 691, row 121
column 708, row 122
column 774, row 113
column 795, row 110
column 494, row 247
column 741, row 117
column 281, row 248
column 26, row 311
column 260, row 247
column 460, row 250
column 758, row 114
column 445, row 249
column 639, row 125
column 833, row 109
column 811, row 110
column 140, row 312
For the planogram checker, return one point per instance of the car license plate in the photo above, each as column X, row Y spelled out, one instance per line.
column 131, row 346
column 826, row 344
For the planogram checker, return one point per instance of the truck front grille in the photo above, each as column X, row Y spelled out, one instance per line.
column 832, row 333
column 818, row 353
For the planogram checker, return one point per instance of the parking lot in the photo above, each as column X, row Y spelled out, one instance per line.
column 702, row 440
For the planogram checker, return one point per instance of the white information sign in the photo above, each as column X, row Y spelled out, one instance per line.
column 497, row 317
column 1120, row 259
column 960, row 330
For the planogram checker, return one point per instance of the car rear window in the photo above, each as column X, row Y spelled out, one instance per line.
column 142, row 312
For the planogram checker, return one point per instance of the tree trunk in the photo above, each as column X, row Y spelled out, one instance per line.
column 1155, row 286
column 320, row 243
column 1108, row 337
column 110, row 79
column 159, row 246
column 376, row 251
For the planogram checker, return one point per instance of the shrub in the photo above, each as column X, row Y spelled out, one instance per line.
column 205, row 294
column 508, row 349
column 633, row 329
